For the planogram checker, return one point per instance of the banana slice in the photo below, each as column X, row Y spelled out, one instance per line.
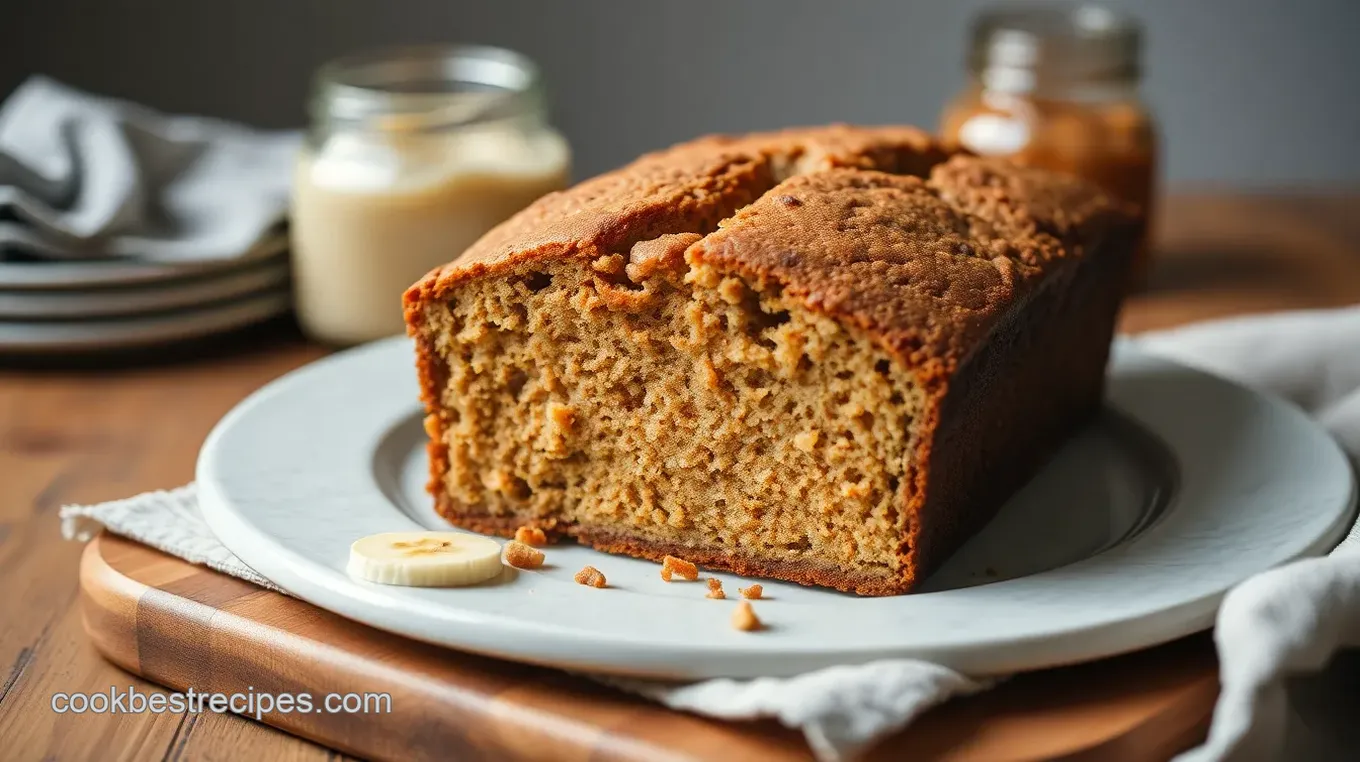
column 425, row 559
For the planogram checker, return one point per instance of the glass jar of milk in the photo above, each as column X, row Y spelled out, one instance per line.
column 413, row 155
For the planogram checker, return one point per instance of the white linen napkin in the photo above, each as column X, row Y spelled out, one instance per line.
column 88, row 177
column 1293, row 619
column 1285, row 622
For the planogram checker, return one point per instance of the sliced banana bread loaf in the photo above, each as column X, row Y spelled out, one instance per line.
column 824, row 356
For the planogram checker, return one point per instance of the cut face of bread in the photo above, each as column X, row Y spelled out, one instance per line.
column 687, row 413
column 836, row 387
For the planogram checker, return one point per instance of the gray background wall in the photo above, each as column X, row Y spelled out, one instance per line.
column 1251, row 93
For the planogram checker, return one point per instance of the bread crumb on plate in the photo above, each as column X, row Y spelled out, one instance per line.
column 715, row 590
column 744, row 618
column 753, row 592
column 531, row 536
column 590, row 577
column 521, row 556
column 672, row 566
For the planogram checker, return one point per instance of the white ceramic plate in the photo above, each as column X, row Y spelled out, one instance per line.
column 1128, row 538
column 80, row 274
column 66, row 304
column 50, row 337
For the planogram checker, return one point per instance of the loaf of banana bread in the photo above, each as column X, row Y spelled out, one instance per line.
column 821, row 355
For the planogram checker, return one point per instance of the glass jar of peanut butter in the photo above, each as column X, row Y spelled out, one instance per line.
column 1057, row 87
column 412, row 155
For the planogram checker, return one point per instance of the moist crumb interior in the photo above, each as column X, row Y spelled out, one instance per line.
column 689, row 406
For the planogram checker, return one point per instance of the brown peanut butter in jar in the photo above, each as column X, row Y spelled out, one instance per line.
column 1057, row 87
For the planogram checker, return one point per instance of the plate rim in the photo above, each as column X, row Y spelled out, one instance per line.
column 499, row 636
column 135, row 331
column 144, row 300
column 40, row 276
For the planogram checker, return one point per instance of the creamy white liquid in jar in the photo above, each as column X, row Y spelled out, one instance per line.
column 382, row 199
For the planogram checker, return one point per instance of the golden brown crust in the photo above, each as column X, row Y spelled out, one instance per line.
column 928, row 265
column 685, row 189
column 665, row 253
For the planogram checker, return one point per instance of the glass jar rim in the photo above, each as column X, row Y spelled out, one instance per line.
column 1056, row 41
column 419, row 85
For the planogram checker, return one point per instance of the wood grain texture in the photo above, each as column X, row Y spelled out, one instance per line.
column 97, row 429
column 184, row 626
column 94, row 430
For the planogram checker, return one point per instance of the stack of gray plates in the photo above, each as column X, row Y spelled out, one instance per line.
column 58, row 306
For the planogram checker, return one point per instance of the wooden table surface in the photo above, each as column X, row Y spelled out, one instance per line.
column 96, row 430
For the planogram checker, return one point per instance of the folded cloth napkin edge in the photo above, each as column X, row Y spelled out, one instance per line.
column 179, row 532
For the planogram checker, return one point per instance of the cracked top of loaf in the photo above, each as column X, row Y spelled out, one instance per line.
column 879, row 227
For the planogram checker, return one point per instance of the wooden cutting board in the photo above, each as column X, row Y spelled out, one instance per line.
column 185, row 626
